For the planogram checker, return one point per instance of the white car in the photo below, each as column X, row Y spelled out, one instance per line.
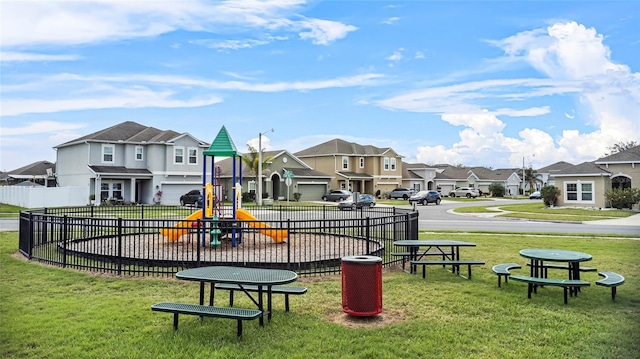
column 464, row 192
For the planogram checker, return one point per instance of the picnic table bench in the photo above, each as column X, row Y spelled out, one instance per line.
column 535, row 281
column 502, row 270
column 454, row 263
column 276, row 289
column 207, row 311
column 407, row 255
column 546, row 266
column 611, row 279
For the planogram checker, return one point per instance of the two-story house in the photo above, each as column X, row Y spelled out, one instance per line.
column 585, row 184
column 131, row 162
column 311, row 184
column 360, row 168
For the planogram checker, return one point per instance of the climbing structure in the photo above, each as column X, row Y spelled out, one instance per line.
column 222, row 146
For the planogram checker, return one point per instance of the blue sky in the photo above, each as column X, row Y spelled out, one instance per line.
column 474, row 83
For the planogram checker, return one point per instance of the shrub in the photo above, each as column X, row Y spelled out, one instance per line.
column 296, row 196
column 497, row 190
column 622, row 198
column 248, row 196
column 549, row 195
column 265, row 195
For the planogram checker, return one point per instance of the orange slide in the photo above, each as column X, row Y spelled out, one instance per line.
column 181, row 228
column 278, row 235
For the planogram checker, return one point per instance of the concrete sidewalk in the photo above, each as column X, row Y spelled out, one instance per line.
column 628, row 221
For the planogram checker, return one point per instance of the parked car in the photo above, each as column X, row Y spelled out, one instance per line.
column 403, row 193
column 535, row 195
column 364, row 200
column 337, row 195
column 193, row 197
column 425, row 197
column 464, row 192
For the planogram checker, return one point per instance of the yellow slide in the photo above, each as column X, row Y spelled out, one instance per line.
column 278, row 235
column 181, row 228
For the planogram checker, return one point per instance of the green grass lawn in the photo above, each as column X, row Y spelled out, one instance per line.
column 50, row 312
column 538, row 210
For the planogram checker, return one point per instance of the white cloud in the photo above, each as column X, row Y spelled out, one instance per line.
column 81, row 22
column 396, row 56
column 10, row 56
column 390, row 21
column 419, row 55
column 574, row 60
column 323, row 32
column 40, row 127
column 139, row 91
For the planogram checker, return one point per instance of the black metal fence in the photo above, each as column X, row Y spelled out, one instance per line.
column 160, row 240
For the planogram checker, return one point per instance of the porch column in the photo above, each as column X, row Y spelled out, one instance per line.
column 132, row 189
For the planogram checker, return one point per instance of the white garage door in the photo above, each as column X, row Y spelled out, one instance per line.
column 171, row 192
column 312, row 192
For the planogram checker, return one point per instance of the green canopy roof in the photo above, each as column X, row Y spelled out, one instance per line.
column 222, row 145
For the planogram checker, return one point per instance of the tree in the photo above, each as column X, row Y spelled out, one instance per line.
column 530, row 177
column 550, row 195
column 623, row 197
column 497, row 190
column 620, row 146
column 251, row 159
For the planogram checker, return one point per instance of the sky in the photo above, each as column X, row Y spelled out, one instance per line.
column 477, row 83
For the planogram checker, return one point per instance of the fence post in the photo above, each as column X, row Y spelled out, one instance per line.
column 197, row 243
column 119, row 245
column 288, row 244
column 30, row 246
column 407, row 232
column 367, row 236
column 64, row 241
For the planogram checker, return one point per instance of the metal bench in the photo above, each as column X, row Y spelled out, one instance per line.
column 406, row 255
column 207, row 311
column 502, row 270
column 564, row 283
column 276, row 289
column 611, row 279
column 547, row 266
column 455, row 263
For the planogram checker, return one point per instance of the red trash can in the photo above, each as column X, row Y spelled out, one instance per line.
column 362, row 285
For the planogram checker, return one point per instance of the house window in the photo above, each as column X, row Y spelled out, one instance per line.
column 110, row 190
column 107, row 153
column 251, row 186
column 586, row 190
column 361, row 162
column 393, row 164
column 104, row 192
column 345, row 162
column 178, row 155
column 386, row 163
column 139, row 152
column 193, row 155
column 116, row 190
column 579, row 191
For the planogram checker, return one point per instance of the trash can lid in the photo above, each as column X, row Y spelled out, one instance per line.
column 362, row 259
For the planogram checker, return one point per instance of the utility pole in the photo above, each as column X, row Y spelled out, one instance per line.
column 523, row 175
column 259, row 192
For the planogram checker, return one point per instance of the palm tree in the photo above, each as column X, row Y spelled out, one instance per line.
column 251, row 159
column 531, row 177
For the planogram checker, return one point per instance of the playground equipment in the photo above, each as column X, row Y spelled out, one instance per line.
column 278, row 235
column 212, row 192
column 181, row 228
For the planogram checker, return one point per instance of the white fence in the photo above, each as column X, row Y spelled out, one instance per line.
column 40, row 197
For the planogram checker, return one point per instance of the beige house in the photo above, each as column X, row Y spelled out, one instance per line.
column 311, row 184
column 360, row 168
column 584, row 185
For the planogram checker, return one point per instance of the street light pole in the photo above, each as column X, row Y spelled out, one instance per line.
column 259, row 192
